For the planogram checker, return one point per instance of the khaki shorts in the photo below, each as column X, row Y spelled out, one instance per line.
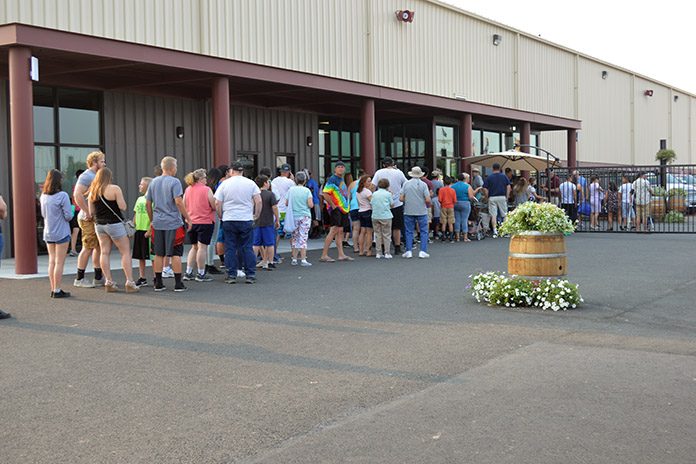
column 497, row 204
column 642, row 211
column 447, row 216
column 89, row 235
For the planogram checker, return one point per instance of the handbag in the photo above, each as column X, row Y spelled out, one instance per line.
column 130, row 227
column 289, row 224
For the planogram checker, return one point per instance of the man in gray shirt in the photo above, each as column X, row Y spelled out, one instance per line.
column 165, row 206
column 416, row 198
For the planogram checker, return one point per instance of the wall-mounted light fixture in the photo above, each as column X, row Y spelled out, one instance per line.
column 459, row 97
column 648, row 93
column 497, row 38
column 676, row 97
column 179, row 132
column 605, row 74
column 309, row 140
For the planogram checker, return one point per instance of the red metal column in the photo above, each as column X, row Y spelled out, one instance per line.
column 221, row 121
column 572, row 148
column 368, row 142
column 22, row 137
column 525, row 139
column 465, row 139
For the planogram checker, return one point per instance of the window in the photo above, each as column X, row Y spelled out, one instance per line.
column 339, row 140
column 285, row 158
column 491, row 142
column 445, row 154
column 250, row 163
column 407, row 144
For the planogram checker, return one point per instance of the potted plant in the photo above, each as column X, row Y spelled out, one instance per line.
column 677, row 200
column 665, row 156
column 657, row 203
column 537, row 244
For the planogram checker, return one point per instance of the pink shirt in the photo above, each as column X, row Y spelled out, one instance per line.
column 197, row 204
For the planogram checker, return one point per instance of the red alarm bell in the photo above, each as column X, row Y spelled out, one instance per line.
column 405, row 15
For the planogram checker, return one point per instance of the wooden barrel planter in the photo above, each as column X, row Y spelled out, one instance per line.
column 678, row 204
column 537, row 254
column 657, row 208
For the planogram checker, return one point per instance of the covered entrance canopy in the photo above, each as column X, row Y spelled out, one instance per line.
column 81, row 61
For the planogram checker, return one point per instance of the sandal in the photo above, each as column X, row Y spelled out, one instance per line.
column 346, row 258
column 327, row 260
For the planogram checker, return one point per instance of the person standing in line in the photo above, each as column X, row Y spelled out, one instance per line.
column 200, row 204
column 437, row 184
column 569, row 195
column 299, row 199
column 462, row 208
column 596, row 193
column 416, row 199
column 106, row 204
column 396, row 179
column 642, row 195
column 141, row 239
column 520, row 191
column 57, row 212
column 74, row 226
column 214, row 175
column 477, row 182
column 280, row 186
column 381, row 202
column 165, row 207
column 613, row 202
column 552, row 189
column 336, row 196
column 3, row 215
column 266, row 225
column 497, row 188
column 238, row 203
column 313, row 187
column 354, row 213
column 626, row 194
column 363, row 193
column 90, row 243
column 448, row 198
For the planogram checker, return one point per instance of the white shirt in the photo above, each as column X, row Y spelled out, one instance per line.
column 625, row 191
column 396, row 178
column 568, row 190
column 237, row 197
column 280, row 186
column 641, row 189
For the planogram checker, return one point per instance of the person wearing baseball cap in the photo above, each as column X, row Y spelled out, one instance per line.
column 336, row 196
column 396, row 179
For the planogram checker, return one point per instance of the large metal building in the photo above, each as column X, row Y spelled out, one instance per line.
column 307, row 82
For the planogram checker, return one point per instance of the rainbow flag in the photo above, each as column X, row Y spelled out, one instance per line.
column 337, row 196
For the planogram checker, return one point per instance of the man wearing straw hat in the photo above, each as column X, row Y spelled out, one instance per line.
column 416, row 198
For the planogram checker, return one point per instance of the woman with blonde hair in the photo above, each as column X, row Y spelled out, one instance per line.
column 106, row 204
column 200, row 204
column 520, row 191
column 364, row 193
column 56, row 210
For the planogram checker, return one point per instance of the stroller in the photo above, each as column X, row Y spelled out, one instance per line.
column 480, row 220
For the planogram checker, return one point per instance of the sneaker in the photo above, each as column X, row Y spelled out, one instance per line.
column 387, row 256
column 305, row 263
column 267, row 267
column 60, row 294
column 423, row 255
column 82, row 283
column 131, row 287
column 293, row 262
column 187, row 276
column 203, row 278
column 99, row 282
column 111, row 287
column 167, row 274
column 251, row 280
column 407, row 255
column 240, row 273
column 160, row 287
column 271, row 266
column 379, row 256
column 72, row 254
column 4, row 315
column 495, row 235
column 212, row 270
column 230, row 280
column 261, row 264
column 141, row 282
column 180, row 287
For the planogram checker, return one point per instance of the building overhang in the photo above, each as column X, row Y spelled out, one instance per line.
column 78, row 60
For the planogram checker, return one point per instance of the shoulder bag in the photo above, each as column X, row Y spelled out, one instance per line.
column 130, row 227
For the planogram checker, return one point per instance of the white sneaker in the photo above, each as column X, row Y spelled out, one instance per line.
column 293, row 262
column 423, row 254
column 167, row 273
column 82, row 283
column 240, row 273
column 379, row 256
column 407, row 255
column 305, row 263
column 387, row 256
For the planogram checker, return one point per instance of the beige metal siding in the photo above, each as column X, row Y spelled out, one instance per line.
column 270, row 132
column 140, row 130
column 546, row 79
column 557, row 143
column 5, row 165
column 692, row 133
column 679, row 140
column 605, row 111
column 651, row 120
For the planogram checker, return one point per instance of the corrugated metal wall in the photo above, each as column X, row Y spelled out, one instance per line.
column 692, row 132
column 5, row 164
column 271, row 132
column 651, row 120
column 679, row 138
column 140, row 130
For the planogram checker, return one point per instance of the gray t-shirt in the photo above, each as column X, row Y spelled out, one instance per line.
column 85, row 179
column 415, row 192
column 162, row 192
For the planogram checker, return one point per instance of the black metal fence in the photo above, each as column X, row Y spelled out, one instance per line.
column 659, row 199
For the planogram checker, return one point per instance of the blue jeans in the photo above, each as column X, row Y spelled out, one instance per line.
column 461, row 216
column 239, row 237
column 410, row 225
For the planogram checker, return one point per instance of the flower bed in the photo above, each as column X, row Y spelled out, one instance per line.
column 497, row 289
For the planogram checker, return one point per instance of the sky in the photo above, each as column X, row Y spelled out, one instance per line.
column 652, row 39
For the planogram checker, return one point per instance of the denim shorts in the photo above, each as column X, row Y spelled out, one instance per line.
column 115, row 231
column 65, row 239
